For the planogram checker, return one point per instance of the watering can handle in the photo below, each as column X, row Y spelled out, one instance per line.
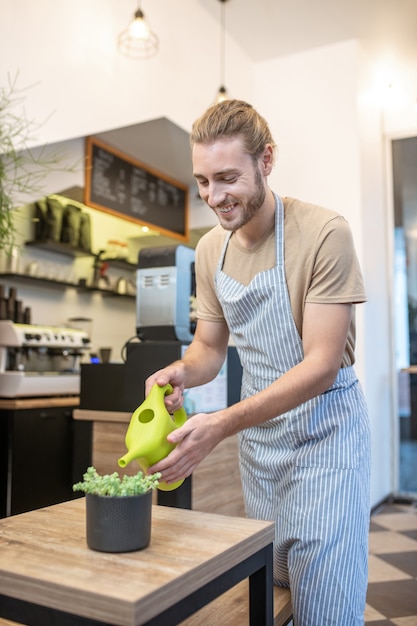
column 166, row 389
column 179, row 416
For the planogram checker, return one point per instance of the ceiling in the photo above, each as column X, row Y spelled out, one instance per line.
column 271, row 28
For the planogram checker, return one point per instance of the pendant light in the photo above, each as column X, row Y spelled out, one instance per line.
column 222, row 92
column 138, row 41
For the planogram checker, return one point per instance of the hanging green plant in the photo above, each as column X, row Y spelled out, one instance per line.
column 22, row 170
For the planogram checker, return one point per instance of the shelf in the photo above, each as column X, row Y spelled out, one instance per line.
column 25, row 278
column 50, row 282
column 59, row 248
column 120, row 263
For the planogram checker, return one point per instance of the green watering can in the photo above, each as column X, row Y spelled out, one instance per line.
column 146, row 436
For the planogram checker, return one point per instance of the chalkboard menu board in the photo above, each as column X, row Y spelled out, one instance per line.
column 118, row 184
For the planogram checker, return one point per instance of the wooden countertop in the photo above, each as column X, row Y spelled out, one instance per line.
column 39, row 402
column 45, row 561
column 102, row 416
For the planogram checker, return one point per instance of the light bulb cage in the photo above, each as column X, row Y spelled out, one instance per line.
column 138, row 48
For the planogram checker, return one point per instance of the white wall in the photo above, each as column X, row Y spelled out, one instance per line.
column 331, row 142
column 330, row 153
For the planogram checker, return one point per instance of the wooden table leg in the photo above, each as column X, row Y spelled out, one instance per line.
column 261, row 593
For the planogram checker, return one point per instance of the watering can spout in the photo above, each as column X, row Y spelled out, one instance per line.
column 130, row 456
column 146, row 436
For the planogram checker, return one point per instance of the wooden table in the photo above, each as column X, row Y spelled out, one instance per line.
column 39, row 402
column 49, row 576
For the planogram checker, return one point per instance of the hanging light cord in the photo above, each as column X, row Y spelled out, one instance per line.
column 223, row 45
column 138, row 41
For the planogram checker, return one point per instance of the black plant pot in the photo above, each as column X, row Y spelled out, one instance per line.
column 118, row 524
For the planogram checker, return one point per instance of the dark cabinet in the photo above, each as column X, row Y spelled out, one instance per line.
column 43, row 452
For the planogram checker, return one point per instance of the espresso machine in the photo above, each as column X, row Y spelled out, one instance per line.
column 165, row 291
column 165, row 326
column 40, row 360
column 165, row 288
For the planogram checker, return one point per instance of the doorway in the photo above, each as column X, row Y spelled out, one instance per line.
column 404, row 164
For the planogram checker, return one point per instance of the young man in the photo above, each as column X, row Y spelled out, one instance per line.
column 281, row 277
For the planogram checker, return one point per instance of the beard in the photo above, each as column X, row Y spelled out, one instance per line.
column 250, row 207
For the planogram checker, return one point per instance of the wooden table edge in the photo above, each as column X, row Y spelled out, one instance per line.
column 230, row 559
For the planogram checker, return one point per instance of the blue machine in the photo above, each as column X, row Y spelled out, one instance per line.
column 165, row 286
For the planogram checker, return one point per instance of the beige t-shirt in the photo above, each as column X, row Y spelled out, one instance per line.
column 321, row 265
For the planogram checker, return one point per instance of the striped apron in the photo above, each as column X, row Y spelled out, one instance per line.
column 308, row 469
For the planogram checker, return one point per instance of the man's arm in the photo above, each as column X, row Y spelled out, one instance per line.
column 325, row 330
column 201, row 362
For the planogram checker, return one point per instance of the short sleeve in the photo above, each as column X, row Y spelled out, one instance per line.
column 336, row 276
column 207, row 254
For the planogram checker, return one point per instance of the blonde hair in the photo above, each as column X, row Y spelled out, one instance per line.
column 232, row 118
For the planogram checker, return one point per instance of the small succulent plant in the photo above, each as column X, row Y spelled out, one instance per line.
column 113, row 485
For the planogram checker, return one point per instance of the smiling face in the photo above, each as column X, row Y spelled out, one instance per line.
column 230, row 181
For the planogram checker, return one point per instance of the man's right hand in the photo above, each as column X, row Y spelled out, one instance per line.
column 174, row 375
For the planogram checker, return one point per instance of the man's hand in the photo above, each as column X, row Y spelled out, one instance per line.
column 174, row 375
column 194, row 441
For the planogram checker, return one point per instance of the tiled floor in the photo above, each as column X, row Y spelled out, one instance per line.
column 392, row 588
